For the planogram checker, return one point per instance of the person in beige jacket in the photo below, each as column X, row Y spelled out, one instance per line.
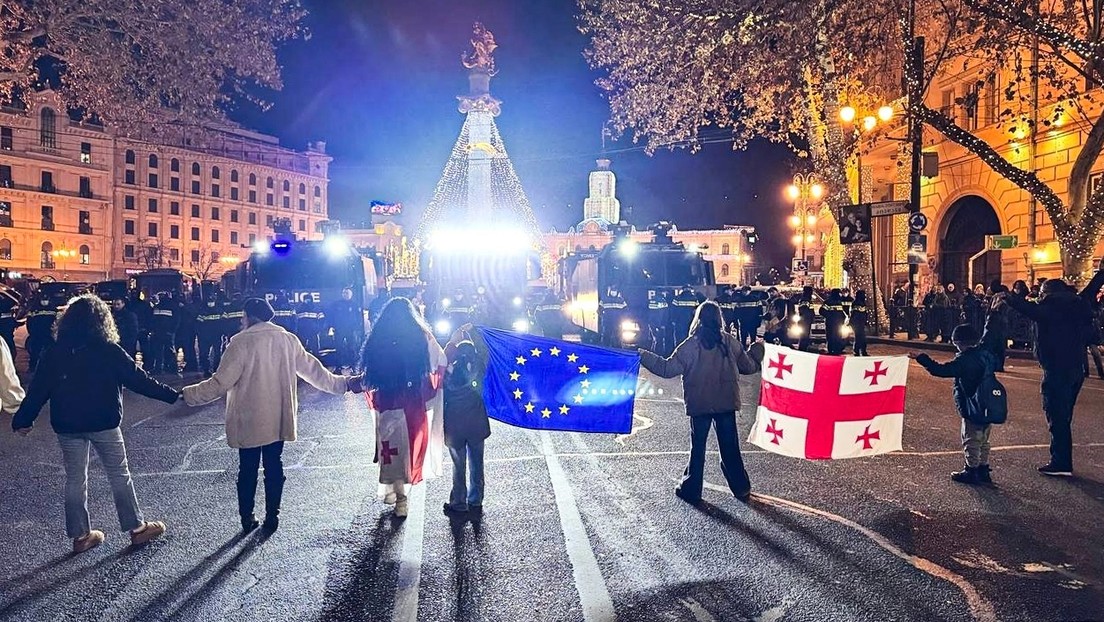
column 710, row 362
column 258, row 375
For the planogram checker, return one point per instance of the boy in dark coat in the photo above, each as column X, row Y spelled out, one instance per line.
column 969, row 367
column 466, row 422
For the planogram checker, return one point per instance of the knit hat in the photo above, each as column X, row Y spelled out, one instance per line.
column 258, row 309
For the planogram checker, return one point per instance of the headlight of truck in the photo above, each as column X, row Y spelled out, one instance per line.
column 521, row 325
column 443, row 327
column 630, row 326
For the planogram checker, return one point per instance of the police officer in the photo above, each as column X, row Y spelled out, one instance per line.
column 660, row 322
column 285, row 313
column 308, row 324
column 209, row 334
column 460, row 310
column 186, row 332
column 231, row 317
column 727, row 301
column 8, row 322
column 127, row 325
column 549, row 315
column 834, row 320
column 143, row 310
column 40, row 324
column 682, row 313
column 805, row 315
column 162, row 335
column 749, row 309
column 611, row 309
column 347, row 320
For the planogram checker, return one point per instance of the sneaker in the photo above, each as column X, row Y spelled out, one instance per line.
column 451, row 510
column 682, row 495
column 968, row 475
column 1050, row 469
column 271, row 524
column 984, row 474
column 150, row 530
column 401, row 509
column 88, row 541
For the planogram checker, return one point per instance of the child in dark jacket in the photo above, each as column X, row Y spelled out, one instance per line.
column 969, row 367
column 466, row 422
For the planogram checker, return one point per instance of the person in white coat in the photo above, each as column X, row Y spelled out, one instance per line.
column 11, row 392
column 258, row 375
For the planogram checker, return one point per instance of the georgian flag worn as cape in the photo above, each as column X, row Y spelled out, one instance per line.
column 823, row 407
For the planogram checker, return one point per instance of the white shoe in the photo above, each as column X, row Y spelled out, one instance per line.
column 389, row 498
column 401, row 509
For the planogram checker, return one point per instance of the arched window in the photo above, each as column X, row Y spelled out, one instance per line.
column 252, row 179
column 318, row 192
column 129, row 156
column 47, row 255
column 153, row 160
column 234, row 176
column 174, row 165
column 215, row 173
column 47, row 128
column 269, row 183
column 287, row 186
column 724, row 248
column 195, row 168
column 724, row 269
column 5, row 249
column 84, row 253
column 302, row 188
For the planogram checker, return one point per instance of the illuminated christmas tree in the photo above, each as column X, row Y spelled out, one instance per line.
column 479, row 186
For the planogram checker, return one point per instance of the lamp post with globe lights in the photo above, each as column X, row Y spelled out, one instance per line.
column 807, row 193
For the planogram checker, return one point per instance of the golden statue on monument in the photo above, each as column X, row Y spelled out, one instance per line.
column 482, row 56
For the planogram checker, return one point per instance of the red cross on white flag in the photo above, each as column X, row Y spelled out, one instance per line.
column 830, row 407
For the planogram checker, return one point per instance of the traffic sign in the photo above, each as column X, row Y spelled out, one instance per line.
column 799, row 265
column 918, row 249
column 1002, row 242
column 889, row 208
column 917, row 222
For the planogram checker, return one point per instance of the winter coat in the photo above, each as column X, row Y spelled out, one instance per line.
column 258, row 375
column 709, row 379
column 968, row 369
column 1062, row 322
column 126, row 322
column 84, row 387
column 465, row 415
column 11, row 392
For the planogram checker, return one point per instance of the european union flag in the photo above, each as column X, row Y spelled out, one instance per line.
column 544, row 384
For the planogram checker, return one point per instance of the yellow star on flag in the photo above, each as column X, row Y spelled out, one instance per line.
column 554, row 351
column 586, row 384
column 571, row 358
column 536, row 352
column 578, row 399
column 564, row 409
column 529, row 407
column 517, row 394
column 514, row 376
column 520, row 360
column 584, row 369
column 546, row 413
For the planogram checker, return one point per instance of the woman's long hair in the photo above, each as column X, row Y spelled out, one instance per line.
column 707, row 326
column 86, row 320
column 395, row 357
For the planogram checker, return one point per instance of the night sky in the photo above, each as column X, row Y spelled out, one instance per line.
column 378, row 82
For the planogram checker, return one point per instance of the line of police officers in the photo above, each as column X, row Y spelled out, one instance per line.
column 168, row 323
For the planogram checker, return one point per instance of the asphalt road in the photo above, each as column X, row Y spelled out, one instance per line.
column 575, row 527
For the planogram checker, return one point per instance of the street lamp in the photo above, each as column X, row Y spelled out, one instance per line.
column 806, row 192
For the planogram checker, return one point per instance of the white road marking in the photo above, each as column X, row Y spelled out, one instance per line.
column 645, row 423
column 410, row 559
column 981, row 608
column 593, row 593
column 774, row 614
column 696, row 610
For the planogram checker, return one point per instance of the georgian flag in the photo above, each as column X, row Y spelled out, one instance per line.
column 829, row 407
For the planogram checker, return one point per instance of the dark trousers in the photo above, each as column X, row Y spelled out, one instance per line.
column 36, row 343
column 162, row 354
column 210, row 352
column 749, row 327
column 1060, row 390
column 1094, row 351
column 347, row 343
column 249, row 460
column 860, row 339
column 732, row 464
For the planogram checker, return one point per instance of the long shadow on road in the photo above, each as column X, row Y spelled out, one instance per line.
column 362, row 571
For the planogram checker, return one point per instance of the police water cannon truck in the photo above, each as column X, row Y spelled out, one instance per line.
column 478, row 274
column 631, row 292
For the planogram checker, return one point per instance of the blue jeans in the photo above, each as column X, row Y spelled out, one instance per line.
column 112, row 452
column 466, row 491
column 732, row 463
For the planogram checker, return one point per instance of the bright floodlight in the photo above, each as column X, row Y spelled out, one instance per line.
column 629, row 248
column 336, row 246
column 442, row 327
column 521, row 325
column 517, row 301
column 847, row 114
column 261, row 247
column 494, row 240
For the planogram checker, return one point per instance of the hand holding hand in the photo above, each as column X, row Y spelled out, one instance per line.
column 355, row 384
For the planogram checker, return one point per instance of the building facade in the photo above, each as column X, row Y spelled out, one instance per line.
column 80, row 203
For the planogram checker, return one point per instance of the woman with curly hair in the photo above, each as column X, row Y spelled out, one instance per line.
column 82, row 376
column 403, row 365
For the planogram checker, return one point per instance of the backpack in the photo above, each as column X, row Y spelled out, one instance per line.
column 990, row 401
